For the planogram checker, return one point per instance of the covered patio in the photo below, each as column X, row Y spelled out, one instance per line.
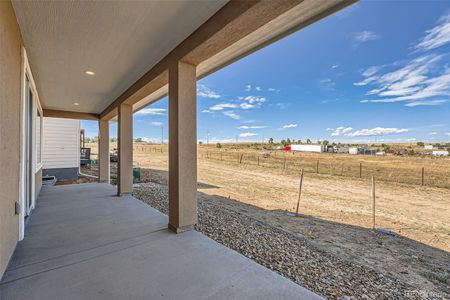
column 85, row 242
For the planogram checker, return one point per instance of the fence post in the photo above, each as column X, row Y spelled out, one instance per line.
column 423, row 175
column 317, row 167
column 299, row 191
column 373, row 197
column 342, row 169
column 220, row 155
column 258, row 160
column 360, row 170
column 240, row 159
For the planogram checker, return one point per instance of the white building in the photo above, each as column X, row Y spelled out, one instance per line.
column 308, row 148
column 428, row 147
column 61, row 148
column 440, row 153
column 353, row 150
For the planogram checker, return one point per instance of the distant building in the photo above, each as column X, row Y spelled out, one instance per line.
column 428, row 147
column 440, row 153
column 353, row 150
column 308, row 148
column 381, row 153
column 342, row 150
column 361, row 150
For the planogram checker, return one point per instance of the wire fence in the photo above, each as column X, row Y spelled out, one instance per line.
column 417, row 175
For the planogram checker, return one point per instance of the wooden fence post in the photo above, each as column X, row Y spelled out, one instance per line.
column 317, row 167
column 258, row 160
column 423, row 175
column 360, row 170
column 299, row 191
column 240, row 159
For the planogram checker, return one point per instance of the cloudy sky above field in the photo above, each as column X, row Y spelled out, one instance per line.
column 377, row 71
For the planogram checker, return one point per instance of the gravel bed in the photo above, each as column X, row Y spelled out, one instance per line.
column 288, row 254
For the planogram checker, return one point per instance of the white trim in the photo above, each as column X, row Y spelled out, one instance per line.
column 26, row 72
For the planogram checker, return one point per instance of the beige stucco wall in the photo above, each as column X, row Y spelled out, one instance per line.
column 10, row 62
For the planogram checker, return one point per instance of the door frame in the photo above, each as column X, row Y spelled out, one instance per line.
column 28, row 143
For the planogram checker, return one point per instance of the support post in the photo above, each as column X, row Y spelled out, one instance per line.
column 103, row 151
column 423, row 175
column 125, row 149
column 182, row 147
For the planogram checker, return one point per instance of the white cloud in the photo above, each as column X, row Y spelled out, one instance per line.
column 340, row 130
column 436, row 36
column 289, row 126
column 222, row 106
column 426, row 103
column 251, row 127
column 246, row 105
column 247, row 134
column 254, row 99
column 335, row 66
column 231, row 114
column 157, row 123
column 248, row 88
column 205, row 92
column 207, row 111
column 376, row 131
column 152, row 111
column 327, row 83
column 364, row 36
column 447, row 133
column 273, row 90
column 433, row 133
column 257, row 88
column 281, row 105
column 418, row 82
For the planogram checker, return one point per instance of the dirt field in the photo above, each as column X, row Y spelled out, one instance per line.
column 336, row 211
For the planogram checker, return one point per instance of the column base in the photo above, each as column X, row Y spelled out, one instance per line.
column 180, row 229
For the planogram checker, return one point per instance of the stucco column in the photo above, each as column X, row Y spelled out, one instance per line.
column 103, row 151
column 125, row 149
column 182, row 147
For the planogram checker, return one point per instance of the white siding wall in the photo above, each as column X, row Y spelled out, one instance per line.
column 61, row 143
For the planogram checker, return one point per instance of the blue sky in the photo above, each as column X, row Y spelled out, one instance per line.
column 376, row 71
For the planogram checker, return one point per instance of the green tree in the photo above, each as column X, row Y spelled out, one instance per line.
column 271, row 141
column 288, row 141
column 94, row 139
column 325, row 142
column 219, row 145
column 138, row 140
column 308, row 141
column 420, row 144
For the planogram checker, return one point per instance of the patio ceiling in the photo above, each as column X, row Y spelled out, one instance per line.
column 118, row 40
column 130, row 45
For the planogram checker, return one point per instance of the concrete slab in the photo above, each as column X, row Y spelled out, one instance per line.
column 83, row 242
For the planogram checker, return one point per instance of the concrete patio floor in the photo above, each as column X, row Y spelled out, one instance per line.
column 83, row 242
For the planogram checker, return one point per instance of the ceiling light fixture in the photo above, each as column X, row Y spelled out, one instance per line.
column 76, row 103
column 89, row 72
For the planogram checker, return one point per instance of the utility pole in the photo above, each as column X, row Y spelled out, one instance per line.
column 162, row 134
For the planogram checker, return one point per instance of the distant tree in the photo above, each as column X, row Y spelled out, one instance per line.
column 138, row 140
column 420, row 144
column 113, row 140
column 200, row 142
column 94, row 139
column 219, row 145
column 288, row 141
column 87, row 140
column 325, row 142
column 308, row 141
column 271, row 141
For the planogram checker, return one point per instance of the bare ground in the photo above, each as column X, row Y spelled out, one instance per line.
column 336, row 215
